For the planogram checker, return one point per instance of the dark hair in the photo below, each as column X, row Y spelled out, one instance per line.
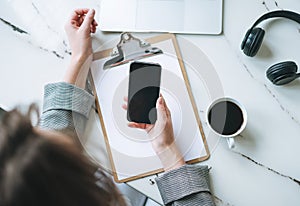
column 35, row 170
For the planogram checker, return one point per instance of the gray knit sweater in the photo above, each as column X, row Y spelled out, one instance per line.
column 67, row 107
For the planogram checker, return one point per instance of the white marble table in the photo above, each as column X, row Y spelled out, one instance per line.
column 264, row 168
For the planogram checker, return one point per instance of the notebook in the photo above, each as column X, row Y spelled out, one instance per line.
column 174, row 16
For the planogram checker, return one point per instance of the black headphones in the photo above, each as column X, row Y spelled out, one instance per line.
column 283, row 72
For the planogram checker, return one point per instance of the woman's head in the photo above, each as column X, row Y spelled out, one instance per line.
column 46, row 168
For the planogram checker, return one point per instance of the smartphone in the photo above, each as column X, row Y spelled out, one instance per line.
column 143, row 92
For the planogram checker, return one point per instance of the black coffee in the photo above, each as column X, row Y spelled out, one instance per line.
column 225, row 117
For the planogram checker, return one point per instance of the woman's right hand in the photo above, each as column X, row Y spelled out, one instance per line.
column 79, row 28
column 162, row 136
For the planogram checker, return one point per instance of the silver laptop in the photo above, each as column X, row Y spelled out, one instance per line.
column 175, row 16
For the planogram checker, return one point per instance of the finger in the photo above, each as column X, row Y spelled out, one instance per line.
column 149, row 127
column 74, row 16
column 168, row 112
column 81, row 11
column 160, row 103
column 136, row 125
column 88, row 19
column 166, row 107
column 80, row 20
column 163, row 100
column 132, row 124
column 124, row 106
column 125, row 98
column 73, row 23
column 77, row 13
column 161, row 111
column 95, row 23
column 93, row 29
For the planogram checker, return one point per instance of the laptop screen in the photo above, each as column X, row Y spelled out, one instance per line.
column 175, row 16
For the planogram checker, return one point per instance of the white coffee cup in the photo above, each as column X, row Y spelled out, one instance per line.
column 227, row 118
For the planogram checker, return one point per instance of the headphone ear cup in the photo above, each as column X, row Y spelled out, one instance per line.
column 282, row 69
column 245, row 39
column 252, row 41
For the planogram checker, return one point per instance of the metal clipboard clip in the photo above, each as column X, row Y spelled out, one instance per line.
column 129, row 49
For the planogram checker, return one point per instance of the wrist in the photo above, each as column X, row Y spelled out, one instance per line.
column 79, row 63
column 79, row 59
column 78, row 70
column 161, row 144
column 171, row 158
column 159, row 147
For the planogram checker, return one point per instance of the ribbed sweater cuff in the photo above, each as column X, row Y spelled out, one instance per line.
column 181, row 182
column 66, row 96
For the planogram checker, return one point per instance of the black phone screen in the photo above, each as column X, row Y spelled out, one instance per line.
column 143, row 91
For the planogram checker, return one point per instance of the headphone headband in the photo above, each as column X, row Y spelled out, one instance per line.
column 278, row 74
column 274, row 14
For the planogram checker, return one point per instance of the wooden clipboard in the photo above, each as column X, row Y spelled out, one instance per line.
column 153, row 40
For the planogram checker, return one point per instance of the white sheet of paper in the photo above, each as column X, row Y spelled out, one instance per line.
column 131, row 150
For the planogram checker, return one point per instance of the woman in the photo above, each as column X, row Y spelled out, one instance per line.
column 45, row 166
